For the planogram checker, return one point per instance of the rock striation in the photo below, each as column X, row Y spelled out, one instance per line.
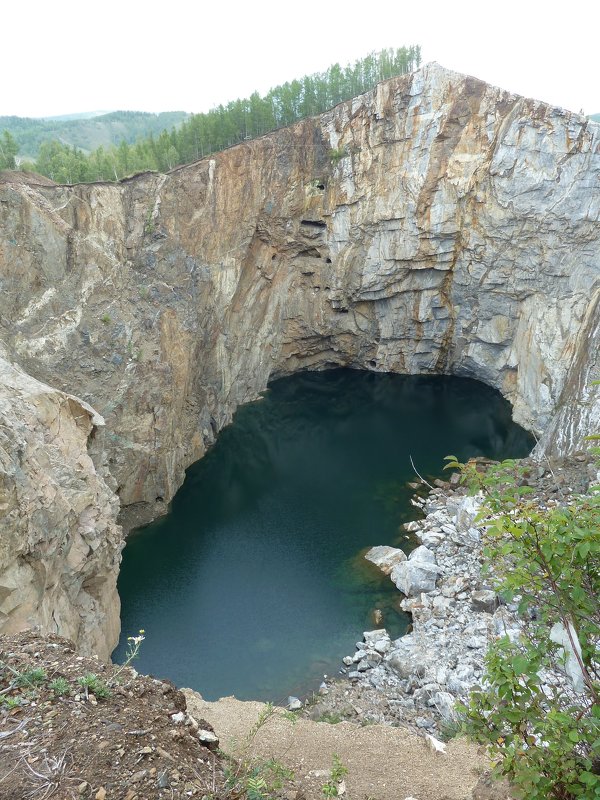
column 60, row 545
column 435, row 224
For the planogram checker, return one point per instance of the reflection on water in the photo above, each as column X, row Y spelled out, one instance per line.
column 254, row 584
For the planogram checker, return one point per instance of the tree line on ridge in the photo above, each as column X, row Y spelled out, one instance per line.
column 221, row 127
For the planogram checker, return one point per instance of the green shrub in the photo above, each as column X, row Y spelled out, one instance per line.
column 331, row 787
column 336, row 154
column 30, row 678
column 547, row 557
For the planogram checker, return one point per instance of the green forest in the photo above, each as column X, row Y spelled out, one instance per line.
column 88, row 133
column 221, row 127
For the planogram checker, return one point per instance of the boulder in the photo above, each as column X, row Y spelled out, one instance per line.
column 484, row 600
column 418, row 574
column 466, row 511
column 377, row 642
column 422, row 553
column 385, row 558
column 443, row 702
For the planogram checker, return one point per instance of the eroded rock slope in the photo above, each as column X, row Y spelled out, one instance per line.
column 60, row 545
column 436, row 224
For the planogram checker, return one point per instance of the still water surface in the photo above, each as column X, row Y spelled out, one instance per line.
column 254, row 584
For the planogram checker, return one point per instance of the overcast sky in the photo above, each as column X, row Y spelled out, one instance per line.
column 69, row 56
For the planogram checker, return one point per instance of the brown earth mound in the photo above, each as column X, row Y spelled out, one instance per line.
column 58, row 740
column 21, row 176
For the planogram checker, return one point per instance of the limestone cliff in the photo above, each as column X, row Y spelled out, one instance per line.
column 60, row 545
column 436, row 224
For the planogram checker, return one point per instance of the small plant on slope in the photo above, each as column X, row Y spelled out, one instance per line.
column 92, row 683
column 60, row 687
column 134, row 644
column 252, row 778
column 331, row 788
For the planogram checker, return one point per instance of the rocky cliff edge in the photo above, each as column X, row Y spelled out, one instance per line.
column 435, row 224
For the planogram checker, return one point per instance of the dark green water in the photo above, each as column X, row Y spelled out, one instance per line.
column 254, row 584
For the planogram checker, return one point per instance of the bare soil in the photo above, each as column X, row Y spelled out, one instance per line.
column 383, row 762
column 69, row 744
column 124, row 747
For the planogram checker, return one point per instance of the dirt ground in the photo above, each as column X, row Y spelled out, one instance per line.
column 133, row 737
column 383, row 763
column 66, row 744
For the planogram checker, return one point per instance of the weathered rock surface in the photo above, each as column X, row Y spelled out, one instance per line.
column 60, row 544
column 418, row 574
column 385, row 557
column 459, row 234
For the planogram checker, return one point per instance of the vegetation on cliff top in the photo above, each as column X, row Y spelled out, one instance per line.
column 219, row 128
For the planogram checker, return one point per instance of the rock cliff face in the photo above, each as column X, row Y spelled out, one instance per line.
column 60, row 545
column 436, row 224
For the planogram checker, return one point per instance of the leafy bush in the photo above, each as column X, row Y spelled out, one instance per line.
column 543, row 732
column 331, row 788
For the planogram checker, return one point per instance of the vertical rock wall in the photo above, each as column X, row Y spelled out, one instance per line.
column 60, row 545
column 436, row 224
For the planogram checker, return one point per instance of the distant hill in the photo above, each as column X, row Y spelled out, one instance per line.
column 595, row 117
column 80, row 115
column 88, row 133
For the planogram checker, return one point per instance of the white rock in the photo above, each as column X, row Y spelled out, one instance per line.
column 371, row 637
column 415, row 576
column 444, row 703
column 207, row 737
column 467, row 509
column 435, row 745
column 385, row 558
column 382, row 645
column 422, row 553
column 431, row 538
column 191, row 722
column 442, row 605
column 441, row 675
column 569, row 641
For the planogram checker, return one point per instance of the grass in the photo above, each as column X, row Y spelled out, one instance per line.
column 60, row 687
column 30, row 678
column 92, row 683
column 331, row 717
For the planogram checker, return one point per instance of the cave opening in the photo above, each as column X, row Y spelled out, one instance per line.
column 255, row 582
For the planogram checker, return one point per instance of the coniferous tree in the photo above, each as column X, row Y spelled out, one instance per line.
column 9, row 150
column 224, row 126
